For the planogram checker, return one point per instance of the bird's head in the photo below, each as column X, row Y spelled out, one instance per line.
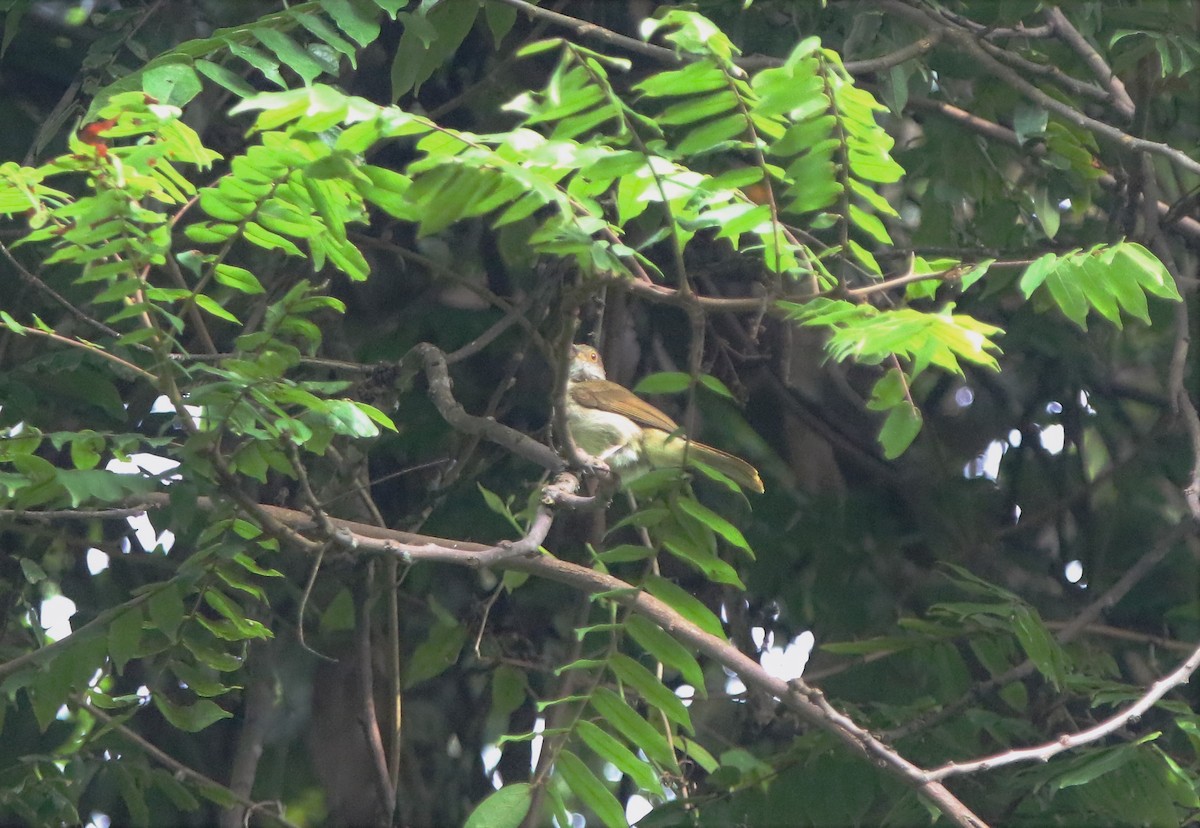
column 586, row 364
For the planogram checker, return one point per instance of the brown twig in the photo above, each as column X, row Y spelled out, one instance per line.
column 40, row 285
column 1185, row 225
column 368, row 719
column 96, row 350
column 162, row 757
column 452, row 411
column 584, row 29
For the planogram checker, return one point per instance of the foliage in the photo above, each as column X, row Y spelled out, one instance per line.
column 237, row 281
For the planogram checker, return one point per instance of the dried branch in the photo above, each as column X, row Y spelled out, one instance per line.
column 592, row 31
column 1043, row 753
column 410, row 547
column 808, row 702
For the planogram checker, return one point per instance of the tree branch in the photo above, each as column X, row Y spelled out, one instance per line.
column 967, row 44
column 1117, row 94
column 440, row 386
column 1043, row 753
column 1066, row 633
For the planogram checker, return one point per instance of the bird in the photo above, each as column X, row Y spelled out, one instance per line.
column 616, row 427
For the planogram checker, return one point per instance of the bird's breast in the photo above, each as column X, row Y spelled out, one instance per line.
column 600, row 432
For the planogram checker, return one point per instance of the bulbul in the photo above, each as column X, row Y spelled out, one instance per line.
column 619, row 428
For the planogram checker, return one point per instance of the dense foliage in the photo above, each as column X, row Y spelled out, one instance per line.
column 289, row 290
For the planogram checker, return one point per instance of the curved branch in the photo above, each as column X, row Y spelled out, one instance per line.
column 806, row 701
column 452, row 411
column 521, row 555
column 1067, row 633
column 1042, row 753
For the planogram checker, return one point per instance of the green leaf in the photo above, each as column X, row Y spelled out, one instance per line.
column 1067, row 294
column 900, row 428
column 1046, row 209
column 732, row 535
column 497, row 506
column 193, row 717
column 653, row 691
column 1029, row 121
column 436, row 653
column 622, row 758
column 659, row 644
column 197, row 681
column 224, row 77
column 506, row 808
column 124, row 637
column 590, row 790
column 701, row 554
column 171, row 83
column 349, row 418
column 257, row 234
column 626, row 552
column 238, row 278
column 246, row 627
column 1152, row 274
column 32, row 570
column 685, row 604
column 212, row 307
column 1039, row 645
column 618, row 714
column 356, row 19
column 663, row 382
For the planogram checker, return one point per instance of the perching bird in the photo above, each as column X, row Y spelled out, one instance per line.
column 615, row 426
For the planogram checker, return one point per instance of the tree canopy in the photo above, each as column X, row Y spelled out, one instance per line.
column 289, row 291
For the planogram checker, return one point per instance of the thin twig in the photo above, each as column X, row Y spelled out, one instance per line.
column 368, row 719
column 96, row 350
column 275, row 812
column 34, row 280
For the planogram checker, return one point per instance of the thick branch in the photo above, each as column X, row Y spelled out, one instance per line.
column 519, row 555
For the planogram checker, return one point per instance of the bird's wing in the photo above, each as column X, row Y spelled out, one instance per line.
column 608, row 396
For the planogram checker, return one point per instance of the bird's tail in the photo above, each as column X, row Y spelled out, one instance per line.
column 666, row 450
